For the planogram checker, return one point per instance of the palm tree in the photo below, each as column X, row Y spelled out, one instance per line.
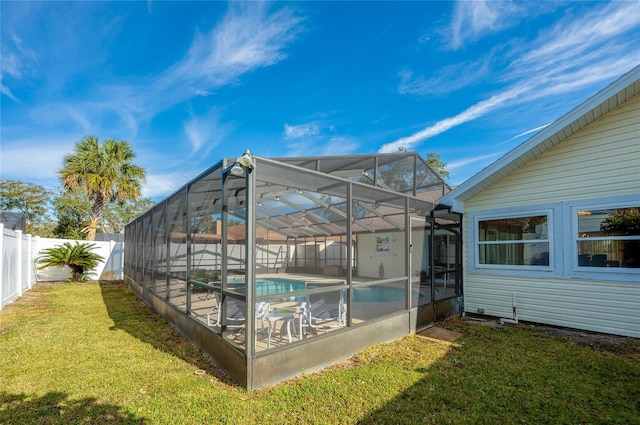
column 104, row 172
column 78, row 258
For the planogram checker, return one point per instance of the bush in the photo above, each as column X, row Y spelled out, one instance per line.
column 77, row 257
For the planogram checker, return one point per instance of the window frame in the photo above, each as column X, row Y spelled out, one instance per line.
column 548, row 210
column 572, row 238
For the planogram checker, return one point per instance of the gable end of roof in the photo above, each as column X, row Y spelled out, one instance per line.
column 594, row 108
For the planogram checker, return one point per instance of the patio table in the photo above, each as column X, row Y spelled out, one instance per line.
column 281, row 315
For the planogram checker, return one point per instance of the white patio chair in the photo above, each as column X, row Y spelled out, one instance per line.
column 323, row 310
column 235, row 314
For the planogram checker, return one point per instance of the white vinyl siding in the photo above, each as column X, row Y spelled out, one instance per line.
column 600, row 306
column 598, row 163
column 602, row 160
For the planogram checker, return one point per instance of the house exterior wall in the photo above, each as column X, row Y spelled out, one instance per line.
column 597, row 165
column 369, row 261
column 393, row 264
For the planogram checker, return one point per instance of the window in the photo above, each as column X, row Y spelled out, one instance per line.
column 608, row 237
column 595, row 239
column 514, row 241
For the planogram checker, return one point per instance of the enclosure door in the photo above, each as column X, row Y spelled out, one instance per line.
column 436, row 270
column 422, row 296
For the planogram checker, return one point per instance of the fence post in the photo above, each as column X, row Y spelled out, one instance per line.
column 35, row 243
column 29, row 262
column 112, row 244
column 1, row 264
column 18, row 265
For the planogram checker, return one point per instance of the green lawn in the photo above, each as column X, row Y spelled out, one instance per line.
column 88, row 353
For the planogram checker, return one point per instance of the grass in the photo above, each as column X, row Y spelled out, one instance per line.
column 87, row 353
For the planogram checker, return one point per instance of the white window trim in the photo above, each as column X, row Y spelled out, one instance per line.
column 572, row 269
column 555, row 263
column 563, row 247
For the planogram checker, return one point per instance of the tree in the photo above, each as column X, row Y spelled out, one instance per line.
column 433, row 160
column 78, row 257
column 205, row 224
column 399, row 175
column 73, row 211
column 117, row 214
column 105, row 173
column 28, row 198
column 625, row 221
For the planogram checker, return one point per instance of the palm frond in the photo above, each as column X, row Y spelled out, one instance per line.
column 79, row 257
column 104, row 171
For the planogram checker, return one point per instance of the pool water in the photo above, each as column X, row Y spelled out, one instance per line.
column 379, row 294
column 274, row 286
column 368, row 294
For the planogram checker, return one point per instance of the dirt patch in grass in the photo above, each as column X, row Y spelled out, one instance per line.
column 614, row 344
column 440, row 334
column 619, row 345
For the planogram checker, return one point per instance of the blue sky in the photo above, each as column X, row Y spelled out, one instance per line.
column 188, row 83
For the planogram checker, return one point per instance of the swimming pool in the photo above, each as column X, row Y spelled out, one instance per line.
column 362, row 294
column 273, row 285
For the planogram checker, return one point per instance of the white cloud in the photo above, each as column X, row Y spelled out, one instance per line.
column 464, row 168
column 570, row 41
column 524, row 133
column 69, row 116
column 11, row 65
column 204, row 132
column 196, row 133
column 15, row 59
column 589, row 75
column 474, row 19
column 39, row 159
column 79, row 118
column 465, row 162
column 7, row 92
column 162, row 185
column 303, row 130
column 475, row 111
column 317, row 138
column 339, row 145
column 556, row 63
column 24, row 51
column 249, row 37
column 445, row 80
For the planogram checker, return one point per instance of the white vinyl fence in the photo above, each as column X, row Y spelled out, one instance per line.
column 18, row 269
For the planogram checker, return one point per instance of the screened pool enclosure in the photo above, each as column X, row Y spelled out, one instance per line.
column 278, row 266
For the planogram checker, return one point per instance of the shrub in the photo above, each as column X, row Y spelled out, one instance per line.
column 78, row 258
